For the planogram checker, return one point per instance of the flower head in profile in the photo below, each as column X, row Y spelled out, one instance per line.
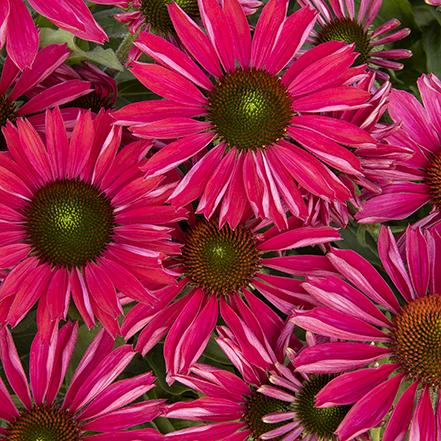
column 73, row 224
column 218, row 267
column 410, row 340
column 340, row 21
column 236, row 121
column 418, row 177
column 95, row 407
column 21, row 35
column 17, row 86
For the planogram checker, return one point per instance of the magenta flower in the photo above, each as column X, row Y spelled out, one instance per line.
column 94, row 408
column 72, row 223
column 21, row 35
column 248, row 111
column 218, row 266
column 24, row 83
column 417, row 178
column 339, row 21
column 410, row 340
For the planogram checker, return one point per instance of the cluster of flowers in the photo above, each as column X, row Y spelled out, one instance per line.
column 185, row 217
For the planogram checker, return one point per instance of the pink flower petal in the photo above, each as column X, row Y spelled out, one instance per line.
column 423, row 425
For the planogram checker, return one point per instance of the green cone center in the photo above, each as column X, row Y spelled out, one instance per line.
column 43, row 424
column 156, row 13
column 69, row 222
column 350, row 31
column 6, row 113
column 250, row 109
column 417, row 339
column 260, row 405
column 220, row 261
column 322, row 422
column 433, row 179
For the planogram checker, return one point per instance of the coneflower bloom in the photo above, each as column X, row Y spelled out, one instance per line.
column 20, row 83
column 95, row 406
column 79, row 219
column 410, row 340
column 236, row 120
column 339, row 21
column 418, row 178
column 21, row 35
column 218, row 265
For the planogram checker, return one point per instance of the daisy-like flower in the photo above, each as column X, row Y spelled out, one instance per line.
column 244, row 113
column 79, row 219
column 95, row 406
column 339, row 21
column 21, row 35
column 418, row 178
column 410, row 340
column 22, row 83
column 219, row 265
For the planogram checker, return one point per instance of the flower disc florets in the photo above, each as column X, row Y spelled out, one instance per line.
column 69, row 222
column 43, row 424
column 417, row 339
column 260, row 405
column 250, row 109
column 156, row 13
column 221, row 261
column 350, row 31
column 6, row 113
column 320, row 421
column 433, row 179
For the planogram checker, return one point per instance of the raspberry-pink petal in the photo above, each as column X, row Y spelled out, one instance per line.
column 13, row 368
column 218, row 32
column 4, row 14
column 34, row 149
column 168, row 84
column 240, row 31
column 55, row 96
column 393, row 263
column 17, row 276
column 110, row 323
column 8, row 410
column 417, row 260
column 170, row 56
column 23, row 35
column 351, row 387
column 194, row 182
column 80, row 296
column 277, row 393
column 45, row 63
column 300, row 237
column 206, row 409
column 127, row 435
column 339, row 325
column 10, row 70
column 13, row 184
column 195, row 40
column 339, row 357
column 316, row 266
column 67, row 337
column 101, row 377
column 292, row 35
column 117, row 395
column 267, row 31
column 370, row 410
column 171, row 128
column 423, row 425
column 257, row 191
column 275, row 433
column 401, row 416
column 208, row 432
column 58, row 294
column 132, row 192
column 176, row 153
column 427, row 85
column 365, row 277
column 146, row 112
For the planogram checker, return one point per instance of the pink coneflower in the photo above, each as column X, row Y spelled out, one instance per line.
column 411, row 339
column 244, row 114
column 94, row 408
column 79, row 219
column 218, row 266
column 339, row 21
column 418, row 178
column 21, row 35
column 47, row 61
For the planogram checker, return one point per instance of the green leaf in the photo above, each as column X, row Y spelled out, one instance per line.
column 79, row 48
